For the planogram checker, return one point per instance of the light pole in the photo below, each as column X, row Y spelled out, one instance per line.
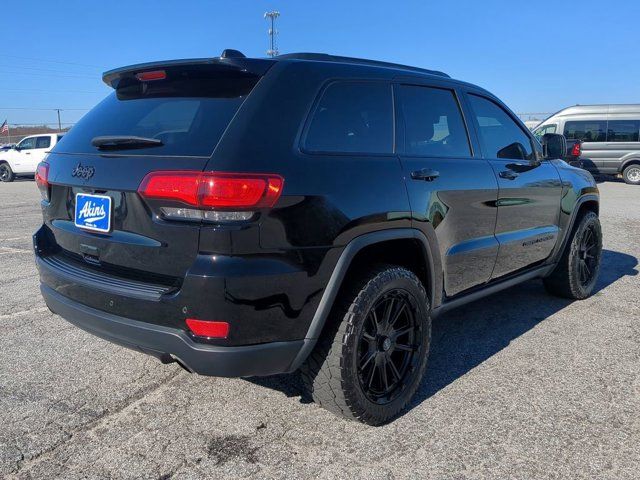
column 273, row 51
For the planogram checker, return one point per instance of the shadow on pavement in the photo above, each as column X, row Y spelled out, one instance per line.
column 466, row 337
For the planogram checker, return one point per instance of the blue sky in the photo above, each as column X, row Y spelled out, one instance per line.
column 537, row 56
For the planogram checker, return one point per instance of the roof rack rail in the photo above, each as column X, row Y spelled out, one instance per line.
column 325, row 57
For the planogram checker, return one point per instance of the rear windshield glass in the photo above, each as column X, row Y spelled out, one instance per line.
column 187, row 115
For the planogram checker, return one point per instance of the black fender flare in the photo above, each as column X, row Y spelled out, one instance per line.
column 340, row 271
column 571, row 224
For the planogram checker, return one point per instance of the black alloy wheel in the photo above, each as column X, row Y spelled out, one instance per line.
column 389, row 340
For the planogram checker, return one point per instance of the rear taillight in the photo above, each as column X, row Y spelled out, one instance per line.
column 208, row 328
column 216, row 197
column 576, row 150
column 42, row 180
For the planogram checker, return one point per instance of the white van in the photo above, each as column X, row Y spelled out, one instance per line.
column 609, row 135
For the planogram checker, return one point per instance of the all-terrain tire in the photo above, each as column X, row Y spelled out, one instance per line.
column 332, row 376
column 576, row 274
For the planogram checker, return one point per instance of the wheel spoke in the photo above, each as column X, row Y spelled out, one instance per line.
column 583, row 273
column 397, row 314
column 367, row 359
column 394, row 370
column 587, row 270
column 376, row 322
column 383, row 374
column 386, row 320
column 368, row 337
column 402, row 332
column 406, row 348
column 370, row 375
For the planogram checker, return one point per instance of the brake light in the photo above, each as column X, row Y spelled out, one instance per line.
column 152, row 75
column 182, row 187
column 231, row 191
column 42, row 180
column 207, row 328
column 576, row 150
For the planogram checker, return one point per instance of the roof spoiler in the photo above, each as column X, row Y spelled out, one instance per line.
column 231, row 60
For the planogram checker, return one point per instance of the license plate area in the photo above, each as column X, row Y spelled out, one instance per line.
column 93, row 212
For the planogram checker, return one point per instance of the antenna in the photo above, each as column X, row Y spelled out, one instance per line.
column 272, row 15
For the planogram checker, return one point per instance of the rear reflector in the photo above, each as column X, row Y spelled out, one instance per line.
column 206, row 328
column 42, row 180
column 576, row 149
column 152, row 75
column 211, row 190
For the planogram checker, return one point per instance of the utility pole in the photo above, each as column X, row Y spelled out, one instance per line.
column 272, row 15
column 59, row 124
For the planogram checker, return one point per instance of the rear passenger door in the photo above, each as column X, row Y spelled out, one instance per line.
column 529, row 189
column 622, row 143
column 451, row 190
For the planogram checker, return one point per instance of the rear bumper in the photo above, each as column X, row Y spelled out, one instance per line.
column 171, row 344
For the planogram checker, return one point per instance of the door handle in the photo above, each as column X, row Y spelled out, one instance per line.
column 508, row 174
column 427, row 174
column 27, row 153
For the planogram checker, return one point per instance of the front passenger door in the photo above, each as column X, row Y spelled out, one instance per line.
column 22, row 155
column 529, row 189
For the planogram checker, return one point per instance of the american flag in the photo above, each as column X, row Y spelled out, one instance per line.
column 4, row 128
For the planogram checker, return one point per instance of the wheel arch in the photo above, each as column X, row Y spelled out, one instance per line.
column 629, row 161
column 357, row 252
column 584, row 204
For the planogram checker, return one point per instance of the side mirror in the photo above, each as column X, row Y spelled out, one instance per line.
column 554, row 146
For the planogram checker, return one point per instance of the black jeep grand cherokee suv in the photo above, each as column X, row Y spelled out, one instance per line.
column 257, row 216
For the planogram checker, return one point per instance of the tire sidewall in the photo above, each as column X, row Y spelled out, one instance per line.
column 398, row 280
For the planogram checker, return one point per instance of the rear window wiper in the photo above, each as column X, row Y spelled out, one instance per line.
column 116, row 142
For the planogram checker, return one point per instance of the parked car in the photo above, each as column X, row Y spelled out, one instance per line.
column 23, row 158
column 606, row 137
column 249, row 217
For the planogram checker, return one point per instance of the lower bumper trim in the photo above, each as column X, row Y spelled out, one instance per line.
column 165, row 342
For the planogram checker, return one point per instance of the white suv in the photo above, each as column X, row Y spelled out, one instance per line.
column 25, row 156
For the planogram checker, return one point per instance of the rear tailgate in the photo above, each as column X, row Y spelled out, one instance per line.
column 185, row 109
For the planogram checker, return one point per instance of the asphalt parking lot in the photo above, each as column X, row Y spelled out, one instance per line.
column 520, row 385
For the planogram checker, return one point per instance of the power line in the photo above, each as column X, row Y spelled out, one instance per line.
column 50, row 61
column 46, row 91
column 47, row 109
column 46, row 70
column 41, row 124
column 38, row 74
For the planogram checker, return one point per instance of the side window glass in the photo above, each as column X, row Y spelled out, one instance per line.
column 623, row 130
column 433, row 123
column 539, row 132
column 352, row 117
column 586, row 130
column 27, row 143
column 500, row 135
column 43, row 142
